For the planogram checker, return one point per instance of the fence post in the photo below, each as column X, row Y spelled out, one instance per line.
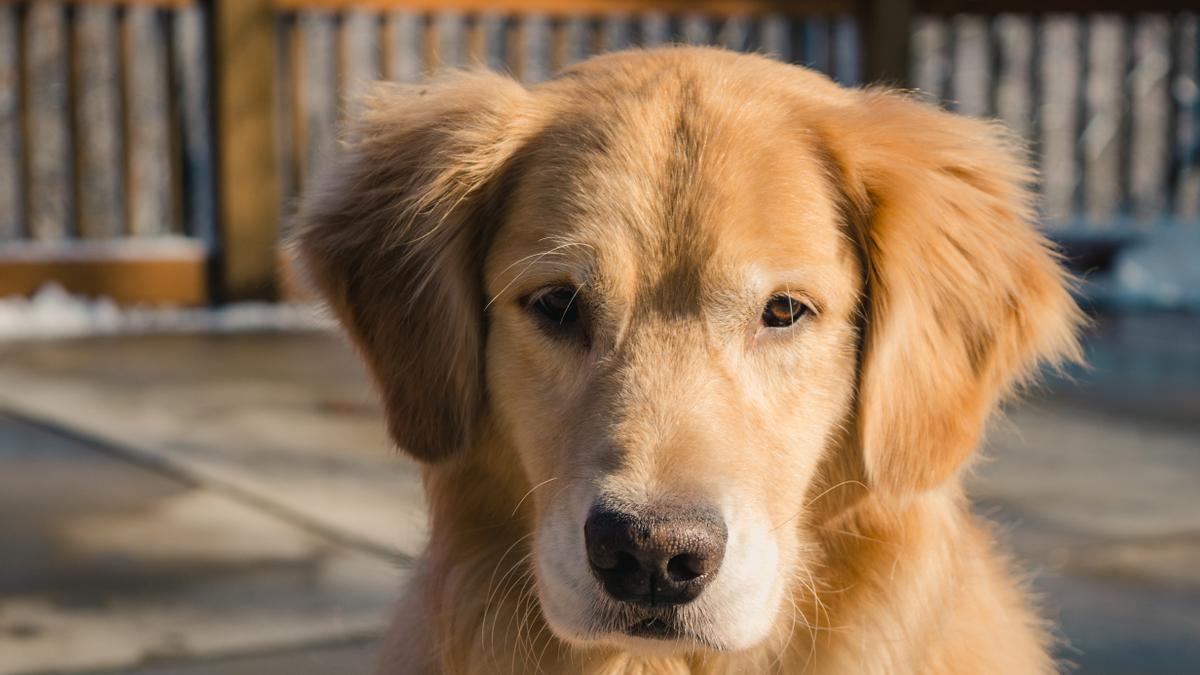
column 885, row 29
column 248, row 177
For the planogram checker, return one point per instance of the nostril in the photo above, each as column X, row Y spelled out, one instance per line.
column 685, row 567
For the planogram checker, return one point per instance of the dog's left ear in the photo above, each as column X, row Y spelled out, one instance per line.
column 965, row 299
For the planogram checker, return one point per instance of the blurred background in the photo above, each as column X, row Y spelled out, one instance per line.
column 194, row 477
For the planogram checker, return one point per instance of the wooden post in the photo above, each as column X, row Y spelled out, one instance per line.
column 884, row 37
column 248, row 181
column 11, row 197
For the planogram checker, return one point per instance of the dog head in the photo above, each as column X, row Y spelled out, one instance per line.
column 677, row 283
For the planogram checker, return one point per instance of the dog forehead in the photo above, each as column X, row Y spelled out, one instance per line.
column 663, row 181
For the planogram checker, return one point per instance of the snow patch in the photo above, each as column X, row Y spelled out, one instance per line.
column 54, row 313
column 1161, row 272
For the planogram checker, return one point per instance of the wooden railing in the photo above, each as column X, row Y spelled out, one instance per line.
column 153, row 149
column 406, row 41
column 1110, row 104
column 105, row 138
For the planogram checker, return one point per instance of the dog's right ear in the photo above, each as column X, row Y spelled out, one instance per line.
column 392, row 236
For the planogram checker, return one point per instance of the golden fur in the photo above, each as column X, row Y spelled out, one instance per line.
column 676, row 189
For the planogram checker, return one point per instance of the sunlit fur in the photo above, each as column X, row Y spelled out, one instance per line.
column 680, row 189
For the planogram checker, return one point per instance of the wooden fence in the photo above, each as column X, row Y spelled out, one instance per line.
column 106, row 153
column 1109, row 102
column 406, row 44
column 151, row 149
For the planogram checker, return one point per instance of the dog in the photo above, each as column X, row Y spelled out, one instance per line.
column 694, row 347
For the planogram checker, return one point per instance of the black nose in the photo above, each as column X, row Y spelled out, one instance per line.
column 664, row 559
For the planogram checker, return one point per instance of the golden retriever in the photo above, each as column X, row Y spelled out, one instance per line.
column 694, row 347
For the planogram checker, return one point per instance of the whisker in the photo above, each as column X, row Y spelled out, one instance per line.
column 523, row 577
column 526, row 496
column 496, row 569
column 817, row 498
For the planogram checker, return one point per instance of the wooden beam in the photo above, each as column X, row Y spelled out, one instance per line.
column 248, row 179
column 584, row 7
column 127, row 273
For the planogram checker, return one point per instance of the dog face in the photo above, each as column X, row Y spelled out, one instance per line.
column 672, row 340
column 679, row 286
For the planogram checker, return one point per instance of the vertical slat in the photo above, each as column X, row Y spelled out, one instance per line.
column 735, row 33
column 47, row 123
column 11, row 201
column 1125, row 130
column 1014, row 41
column 514, row 45
column 776, row 36
column 929, row 55
column 571, row 41
column 360, row 57
column 1187, row 128
column 404, row 46
column 615, row 32
column 1106, row 71
column 319, row 89
column 1037, row 51
column 949, row 94
column 1083, row 58
column 558, row 43
column 149, row 132
column 535, row 48
column 195, row 94
column 475, row 48
column 971, row 76
column 97, row 88
column 655, row 29
column 697, row 29
column 1060, row 72
column 596, row 36
column 846, row 48
column 450, row 47
column 494, row 48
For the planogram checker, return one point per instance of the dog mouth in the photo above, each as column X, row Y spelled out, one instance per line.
column 669, row 632
column 655, row 628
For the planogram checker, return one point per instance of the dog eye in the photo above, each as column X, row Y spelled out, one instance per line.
column 783, row 310
column 558, row 306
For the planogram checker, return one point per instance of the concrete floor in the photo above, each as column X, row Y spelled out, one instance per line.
column 200, row 504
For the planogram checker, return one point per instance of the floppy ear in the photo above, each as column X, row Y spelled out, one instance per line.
column 965, row 299
column 392, row 237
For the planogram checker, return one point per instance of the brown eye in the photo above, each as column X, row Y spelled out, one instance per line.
column 558, row 306
column 783, row 310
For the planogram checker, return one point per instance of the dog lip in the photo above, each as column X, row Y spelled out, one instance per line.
column 654, row 628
